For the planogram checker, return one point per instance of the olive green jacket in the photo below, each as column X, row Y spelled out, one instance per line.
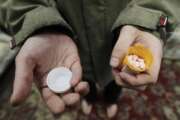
column 91, row 24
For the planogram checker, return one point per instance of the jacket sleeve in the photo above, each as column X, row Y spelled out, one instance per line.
column 147, row 13
column 21, row 18
column 7, row 55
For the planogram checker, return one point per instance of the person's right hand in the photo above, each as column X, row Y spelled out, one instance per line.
column 40, row 54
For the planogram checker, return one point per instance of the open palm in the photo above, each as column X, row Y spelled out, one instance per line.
column 39, row 55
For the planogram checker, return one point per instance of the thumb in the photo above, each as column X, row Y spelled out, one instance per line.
column 23, row 80
column 127, row 36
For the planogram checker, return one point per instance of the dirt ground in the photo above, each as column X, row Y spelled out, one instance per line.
column 159, row 102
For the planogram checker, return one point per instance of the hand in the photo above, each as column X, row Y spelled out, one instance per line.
column 130, row 35
column 37, row 57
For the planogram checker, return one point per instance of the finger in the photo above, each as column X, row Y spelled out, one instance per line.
column 117, row 78
column 126, row 38
column 77, row 73
column 54, row 102
column 141, row 79
column 86, row 107
column 82, row 88
column 73, row 62
column 124, row 83
column 71, row 99
column 23, row 80
column 112, row 110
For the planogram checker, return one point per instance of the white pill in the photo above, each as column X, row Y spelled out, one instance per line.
column 59, row 80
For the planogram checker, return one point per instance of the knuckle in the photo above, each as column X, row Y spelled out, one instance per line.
column 73, row 58
column 46, row 94
column 85, row 84
column 82, row 88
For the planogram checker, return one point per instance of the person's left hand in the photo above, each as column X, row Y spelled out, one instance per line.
column 130, row 35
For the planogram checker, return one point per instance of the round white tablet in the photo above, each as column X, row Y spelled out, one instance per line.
column 58, row 79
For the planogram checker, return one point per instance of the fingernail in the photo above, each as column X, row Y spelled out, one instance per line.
column 114, row 62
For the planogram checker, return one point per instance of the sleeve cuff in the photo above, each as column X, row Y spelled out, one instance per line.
column 39, row 18
column 138, row 16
